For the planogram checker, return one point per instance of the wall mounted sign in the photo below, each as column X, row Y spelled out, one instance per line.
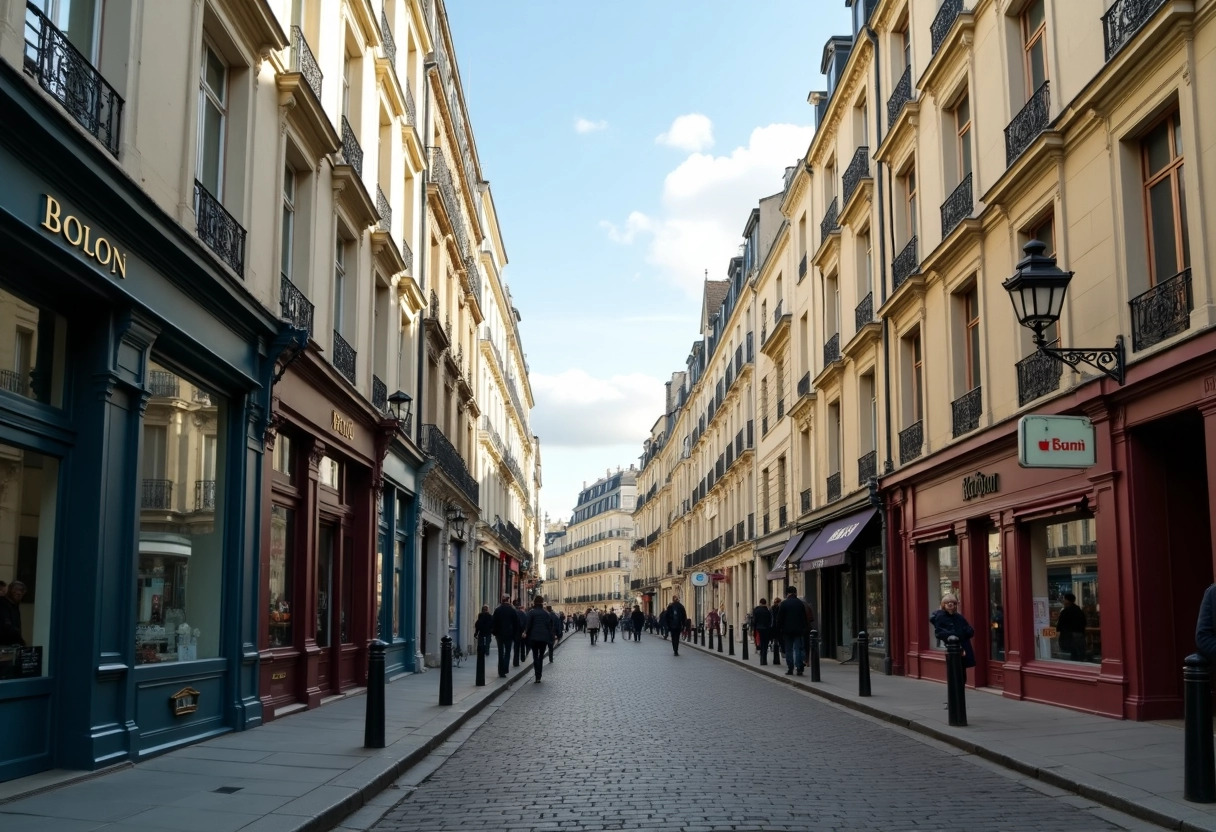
column 278, row 677
column 699, row 579
column 1056, row 442
column 78, row 235
column 980, row 484
column 185, row 701
column 343, row 426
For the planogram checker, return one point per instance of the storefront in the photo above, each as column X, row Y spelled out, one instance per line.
column 397, row 565
column 132, row 414
column 841, row 562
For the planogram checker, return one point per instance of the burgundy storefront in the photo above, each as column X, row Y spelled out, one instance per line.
column 1130, row 538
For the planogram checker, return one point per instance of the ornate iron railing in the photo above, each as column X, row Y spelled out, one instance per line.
column 867, row 467
column 777, row 312
column 390, row 45
column 911, row 442
column 804, row 500
column 351, row 151
column 831, row 350
column 157, row 494
column 1123, row 20
column 1161, row 312
column 901, row 95
column 344, row 357
column 437, row 446
column 411, row 109
column 1038, row 375
column 219, row 229
column 834, row 487
column 294, row 307
column 957, row 207
column 858, row 169
column 12, row 381
column 944, row 22
column 802, row 267
column 864, row 313
column 379, row 394
column 470, row 268
column 904, row 265
column 304, row 62
column 69, row 77
column 783, row 516
column 204, row 495
column 830, row 223
column 1030, row 121
column 804, row 385
column 163, row 384
column 407, row 255
column 384, row 210
column 965, row 411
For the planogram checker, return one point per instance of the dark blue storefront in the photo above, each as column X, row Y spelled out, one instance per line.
column 133, row 402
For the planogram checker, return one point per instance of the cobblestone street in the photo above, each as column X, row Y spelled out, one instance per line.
column 596, row 746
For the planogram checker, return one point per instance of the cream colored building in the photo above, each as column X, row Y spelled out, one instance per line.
column 590, row 561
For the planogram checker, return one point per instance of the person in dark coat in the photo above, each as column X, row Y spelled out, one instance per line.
column 539, row 632
column 10, row 615
column 675, row 617
column 638, row 618
column 505, row 627
column 557, row 630
column 610, row 621
column 483, row 629
column 521, row 643
column 762, row 621
column 1205, row 625
column 792, row 627
column 948, row 621
column 1070, row 627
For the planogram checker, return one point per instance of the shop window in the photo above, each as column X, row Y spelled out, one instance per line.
column 325, row 581
column 943, row 577
column 875, row 619
column 329, row 473
column 213, row 118
column 31, row 350
column 283, row 458
column 279, row 587
column 27, row 499
column 996, row 607
column 1064, row 562
column 178, row 607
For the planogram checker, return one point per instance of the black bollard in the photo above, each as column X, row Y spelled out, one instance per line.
column 445, row 671
column 373, row 720
column 863, row 664
column 1199, row 768
column 956, row 682
column 815, row 656
column 481, row 665
column 719, row 640
column 745, row 635
column 730, row 639
column 776, row 649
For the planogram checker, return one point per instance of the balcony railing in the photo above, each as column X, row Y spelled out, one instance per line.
column 783, row 516
column 163, row 384
column 304, row 62
column 437, row 446
column 864, row 313
column 777, row 313
column 858, row 169
column 411, row 109
column 385, row 210
column 802, row 267
column 867, row 467
column 911, row 442
column 804, row 500
column 965, row 411
column 204, row 495
column 831, row 350
column 351, row 151
column 294, row 307
column 957, row 207
column 69, row 78
column 901, row 96
column 1030, row 121
column 830, row 220
column 390, row 45
column 1161, row 312
column 379, row 394
column 219, row 229
column 157, row 494
column 1123, row 20
column 804, row 385
column 904, row 265
column 1038, row 375
column 344, row 357
column 12, row 381
column 834, row 487
column 944, row 22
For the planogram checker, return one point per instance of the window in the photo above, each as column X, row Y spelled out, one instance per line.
column 868, row 410
column 340, row 284
column 1165, row 199
column 283, row 458
column 865, row 265
column 289, row 222
column 1064, row 562
column 36, row 338
column 1034, row 46
column 834, row 437
column 942, row 570
column 329, row 473
column 962, row 129
column 279, row 587
column 79, row 20
column 917, row 396
column 996, row 607
column 213, row 115
column 1045, row 232
column 908, row 182
column 971, row 322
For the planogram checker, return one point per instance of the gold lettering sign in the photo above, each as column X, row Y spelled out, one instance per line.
column 275, row 677
column 78, row 235
column 185, row 701
column 343, row 426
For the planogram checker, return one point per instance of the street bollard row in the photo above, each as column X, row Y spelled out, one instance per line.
column 956, row 683
column 1199, row 768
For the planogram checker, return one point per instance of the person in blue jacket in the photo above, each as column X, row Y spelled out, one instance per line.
column 1205, row 627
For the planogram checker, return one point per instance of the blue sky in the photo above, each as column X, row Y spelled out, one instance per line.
column 625, row 143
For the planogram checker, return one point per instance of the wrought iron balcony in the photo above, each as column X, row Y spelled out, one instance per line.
column 830, row 220
column 411, row 109
column 1161, row 312
column 911, row 442
column 351, row 151
column 219, row 229
column 157, row 494
column 379, row 394
column 802, row 267
column 944, row 22
column 12, row 381
column 390, row 45
column 304, row 62
column 965, row 411
column 831, row 350
column 777, row 313
column 1028, row 123
column 163, row 384
column 204, row 495
column 804, row 500
column 867, row 467
column 858, row 169
column 437, row 446
column 783, row 516
column 901, row 95
column 69, row 78
column 864, row 313
column 804, row 385
column 385, row 211
column 904, row 265
column 1123, row 20
column 834, row 487
column 780, row 408
column 1038, row 375
column 764, row 524
column 957, row 207
column 344, row 357
column 294, row 307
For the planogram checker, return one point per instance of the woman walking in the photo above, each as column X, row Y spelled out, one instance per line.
column 593, row 624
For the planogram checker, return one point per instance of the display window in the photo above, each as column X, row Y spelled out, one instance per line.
column 1064, row 585
column 282, row 563
column 874, row 599
column 996, row 607
column 943, row 577
column 178, row 594
column 32, row 348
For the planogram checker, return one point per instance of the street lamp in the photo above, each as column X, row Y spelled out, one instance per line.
column 1037, row 290
column 401, row 401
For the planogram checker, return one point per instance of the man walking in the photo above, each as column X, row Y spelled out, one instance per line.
column 791, row 624
column 762, row 621
column 638, row 618
column 675, row 616
column 521, row 643
column 505, row 627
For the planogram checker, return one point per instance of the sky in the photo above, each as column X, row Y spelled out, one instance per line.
column 626, row 143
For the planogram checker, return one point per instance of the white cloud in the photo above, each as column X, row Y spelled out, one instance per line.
column 635, row 223
column 584, row 125
column 573, row 408
column 693, row 133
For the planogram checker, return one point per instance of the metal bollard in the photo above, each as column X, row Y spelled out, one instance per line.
column 445, row 671
column 373, row 720
column 815, row 656
column 863, row 664
column 956, row 682
column 1199, row 768
column 730, row 639
column 481, row 665
column 776, row 648
column 745, row 637
column 719, row 640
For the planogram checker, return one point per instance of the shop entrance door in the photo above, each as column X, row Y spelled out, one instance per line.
column 829, row 616
column 324, row 597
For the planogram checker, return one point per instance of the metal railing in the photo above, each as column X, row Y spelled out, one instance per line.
column 867, row 467
column 864, row 313
column 294, row 307
column 219, row 229
column 411, row 108
column 344, row 357
column 904, row 265
column 1030, row 121
column 830, row 222
column 163, row 384
column 157, row 494
column 911, row 442
column 390, row 45
column 805, row 500
column 379, row 394
column 804, row 385
column 1161, row 312
column 834, row 487
column 831, row 350
column 900, row 96
column 802, row 267
column 1038, row 375
column 351, row 151
column 965, row 411
column 12, row 381
column 304, row 62
column 385, row 210
column 204, row 495
column 437, row 446
column 1123, row 20
column 944, row 22
column 858, row 169
column 957, row 207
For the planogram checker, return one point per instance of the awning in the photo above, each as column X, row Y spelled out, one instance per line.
column 832, row 546
column 778, row 570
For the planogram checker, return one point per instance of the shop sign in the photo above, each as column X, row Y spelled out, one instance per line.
column 343, row 426
column 80, row 236
column 980, row 484
column 1056, row 442
column 700, row 579
column 184, row 702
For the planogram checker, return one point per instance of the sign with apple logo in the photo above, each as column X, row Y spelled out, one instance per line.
column 1056, row 442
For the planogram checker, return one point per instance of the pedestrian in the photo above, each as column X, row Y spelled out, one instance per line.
column 810, row 625
column 593, row 624
column 639, row 619
column 1205, row 626
column 10, row 615
column 1070, row 627
column 538, row 631
column 711, row 622
column 505, row 627
column 483, row 629
column 762, row 620
column 521, row 643
column 610, row 621
column 791, row 624
column 948, row 621
column 557, row 630
column 676, row 618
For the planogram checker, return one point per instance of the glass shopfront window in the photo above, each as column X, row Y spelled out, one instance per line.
column 874, row 599
column 32, row 346
column 279, row 589
column 1064, row 583
column 178, row 603
column 996, row 609
column 27, row 505
column 944, row 576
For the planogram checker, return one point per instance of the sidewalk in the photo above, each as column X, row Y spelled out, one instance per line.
column 1135, row 767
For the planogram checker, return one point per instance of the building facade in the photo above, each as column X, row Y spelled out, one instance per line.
column 589, row 563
